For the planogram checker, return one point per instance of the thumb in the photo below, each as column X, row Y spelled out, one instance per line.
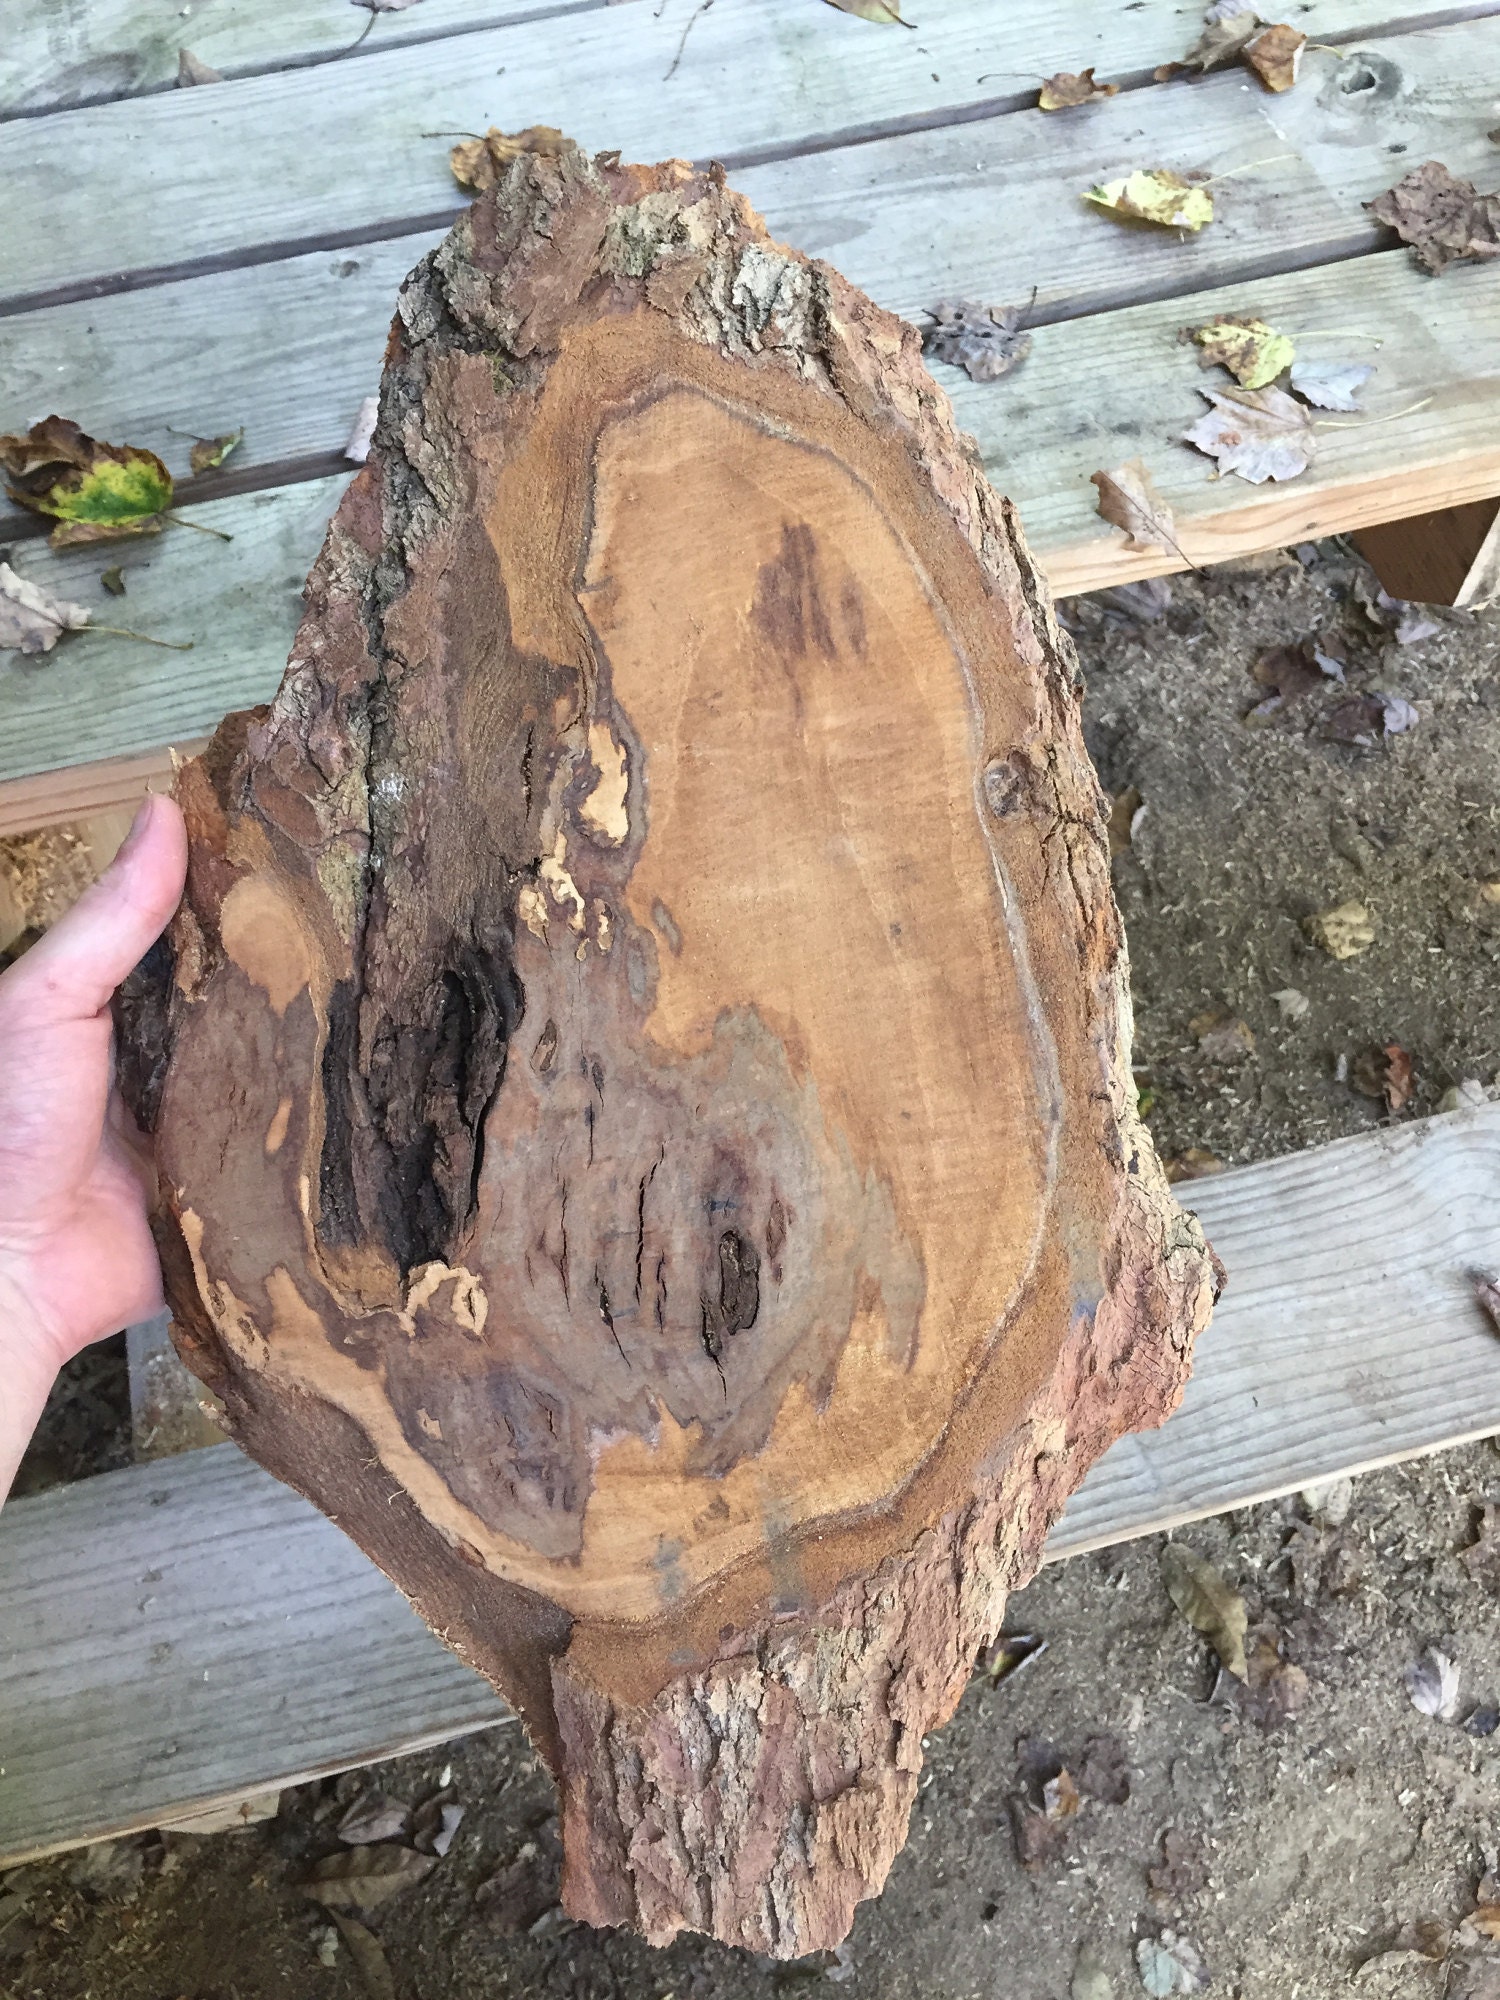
column 69, row 974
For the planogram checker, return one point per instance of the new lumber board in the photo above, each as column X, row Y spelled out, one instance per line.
column 181, row 1634
column 758, row 79
column 58, row 54
column 1093, row 392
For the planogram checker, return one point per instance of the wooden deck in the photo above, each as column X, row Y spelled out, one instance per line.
column 194, row 260
column 188, row 1632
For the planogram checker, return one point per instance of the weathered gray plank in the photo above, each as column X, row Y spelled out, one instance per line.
column 183, row 1633
column 1092, row 393
column 756, row 77
column 58, row 53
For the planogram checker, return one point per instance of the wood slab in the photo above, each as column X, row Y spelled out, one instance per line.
column 182, row 1634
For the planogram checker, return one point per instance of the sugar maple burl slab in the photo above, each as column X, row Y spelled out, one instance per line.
column 641, row 1075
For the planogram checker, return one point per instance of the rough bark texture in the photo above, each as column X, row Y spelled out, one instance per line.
column 641, row 1076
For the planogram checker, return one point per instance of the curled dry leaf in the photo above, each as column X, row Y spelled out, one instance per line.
column 1343, row 932
column 368, row 1954
column 986, row 341
column 1432, row 1684
column 31, row 620
column 1444, row 219
column 1194, row 1163
column 873, row 10
column 1063, row 91
column 1331, row 385
column 477, row 164
column 1260, row 434
column 1275, row 54
column 365, row 1877
column 1487, row 1293
column 1254, row 353
column 93, row 491
column 1221, row 1036
column 1060, row 1796
column 1399, row 1081
column 1155, row 195
column 192, row 69
column 1223, row 39
column 1128, row 499
column 1207, row 1603
column 1289, row 672
column 210, row 452
column 374, row 1815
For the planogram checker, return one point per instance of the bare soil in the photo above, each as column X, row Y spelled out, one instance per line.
column 1308, row 1836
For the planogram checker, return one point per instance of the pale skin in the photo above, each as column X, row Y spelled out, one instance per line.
column 77, row 1261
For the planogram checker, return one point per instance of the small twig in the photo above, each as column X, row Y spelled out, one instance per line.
column 198, row 527
column 691, row 20
column 1328, row 424
column 124, row 632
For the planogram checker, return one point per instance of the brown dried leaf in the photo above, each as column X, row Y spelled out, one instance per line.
column 207, row 453
column 520, row 1894
column 1039, row 1840
column 1123, row 808
column 479, row 163
column 192, row 69
column 1194, row 1163
column 1486, row 1919
column 1129, row 500
column 1289, row 672
column 1063, row 91
column 1274, row 1689
column 1104, row 1771
column 1275, row 54
column 1182, row 1869
column 873, row 10
column 31, row 619
column 375, row 1815
column 1399, row 1081
column 1207, row 1603
column 1259, row 433
column 365, row 1877
column 1220, row 42
column 1060, row 1799
column 1445, row 220
column 1222, row 1037
column 369, row 1957
column 1487, row 1293
column 987, row 341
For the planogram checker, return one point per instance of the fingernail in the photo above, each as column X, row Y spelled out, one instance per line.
column 137, row 828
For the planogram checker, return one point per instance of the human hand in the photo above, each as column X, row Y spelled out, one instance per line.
column 76, row 1257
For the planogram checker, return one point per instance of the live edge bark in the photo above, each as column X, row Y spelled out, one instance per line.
column 641, row 1074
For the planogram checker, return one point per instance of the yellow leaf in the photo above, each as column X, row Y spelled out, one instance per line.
column 1254, row 353
column 94, row 491
column 1158, row 196
column 478, row 163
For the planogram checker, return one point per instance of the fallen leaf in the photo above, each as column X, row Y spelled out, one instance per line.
column 360, row 438
column 1143, row 603
column 1039, row 1840
column 1487, row 1292
column 1090, row 1981
column 1343, row 931
column 365, row 1877
column 1060, row 1796
column 1482, row 1557
column 1365, row 718
column 1294, row 1006
column 1157, row 196
column 1103, row 1772
column 1194, row 1163
column 1254, row 353
column 375, row 1815
column 1010, row 1652
column 987, row 341
column 1128, row 499
column 1485, row 1918
column 1274, row 1689
column 1222, row 40
column 192, row 69
column 873, row 10
column 1329, row 1502
column 93, row 491
column 1063, row 91
column 1222, row 1037
column 369, row 1957
column 1399, row 1080
column 1432, row 1684
column 1289, row 672
column 1275, row 54
column 1259, row 433
column 435, row 1822
column 1124, row 811
column 1207, row 1603
column 1445, row 220
column 31, row 620
column 1169, row 1965
column 1182, row 1869
column 209, row 452
column 113, row 580
column 1331, row 385
column 478, row 163
column 520, row 1894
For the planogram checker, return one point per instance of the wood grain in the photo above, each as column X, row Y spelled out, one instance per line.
column 1446, row 557
column 121, row 1592
column 178, row 193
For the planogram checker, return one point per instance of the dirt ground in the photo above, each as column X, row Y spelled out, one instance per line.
column 1307, row 1835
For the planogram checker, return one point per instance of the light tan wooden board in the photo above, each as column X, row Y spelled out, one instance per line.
column 757, row 77
column 58, row 53
column 181, row 1634
column 1093, row 392
column 288, row 349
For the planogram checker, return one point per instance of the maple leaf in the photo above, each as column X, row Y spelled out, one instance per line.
column 1222, row 40
column 93, row 491
column 31, row 620
column 1155, row 195
column 1254, row 353
column 1063, row 91
column 988, row 341
column 478, row 163
column 873, row 10
column 1129, row 500
column 1331, row 385
column 1275, row 55
column 1445, row 220
column 1259, row 433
